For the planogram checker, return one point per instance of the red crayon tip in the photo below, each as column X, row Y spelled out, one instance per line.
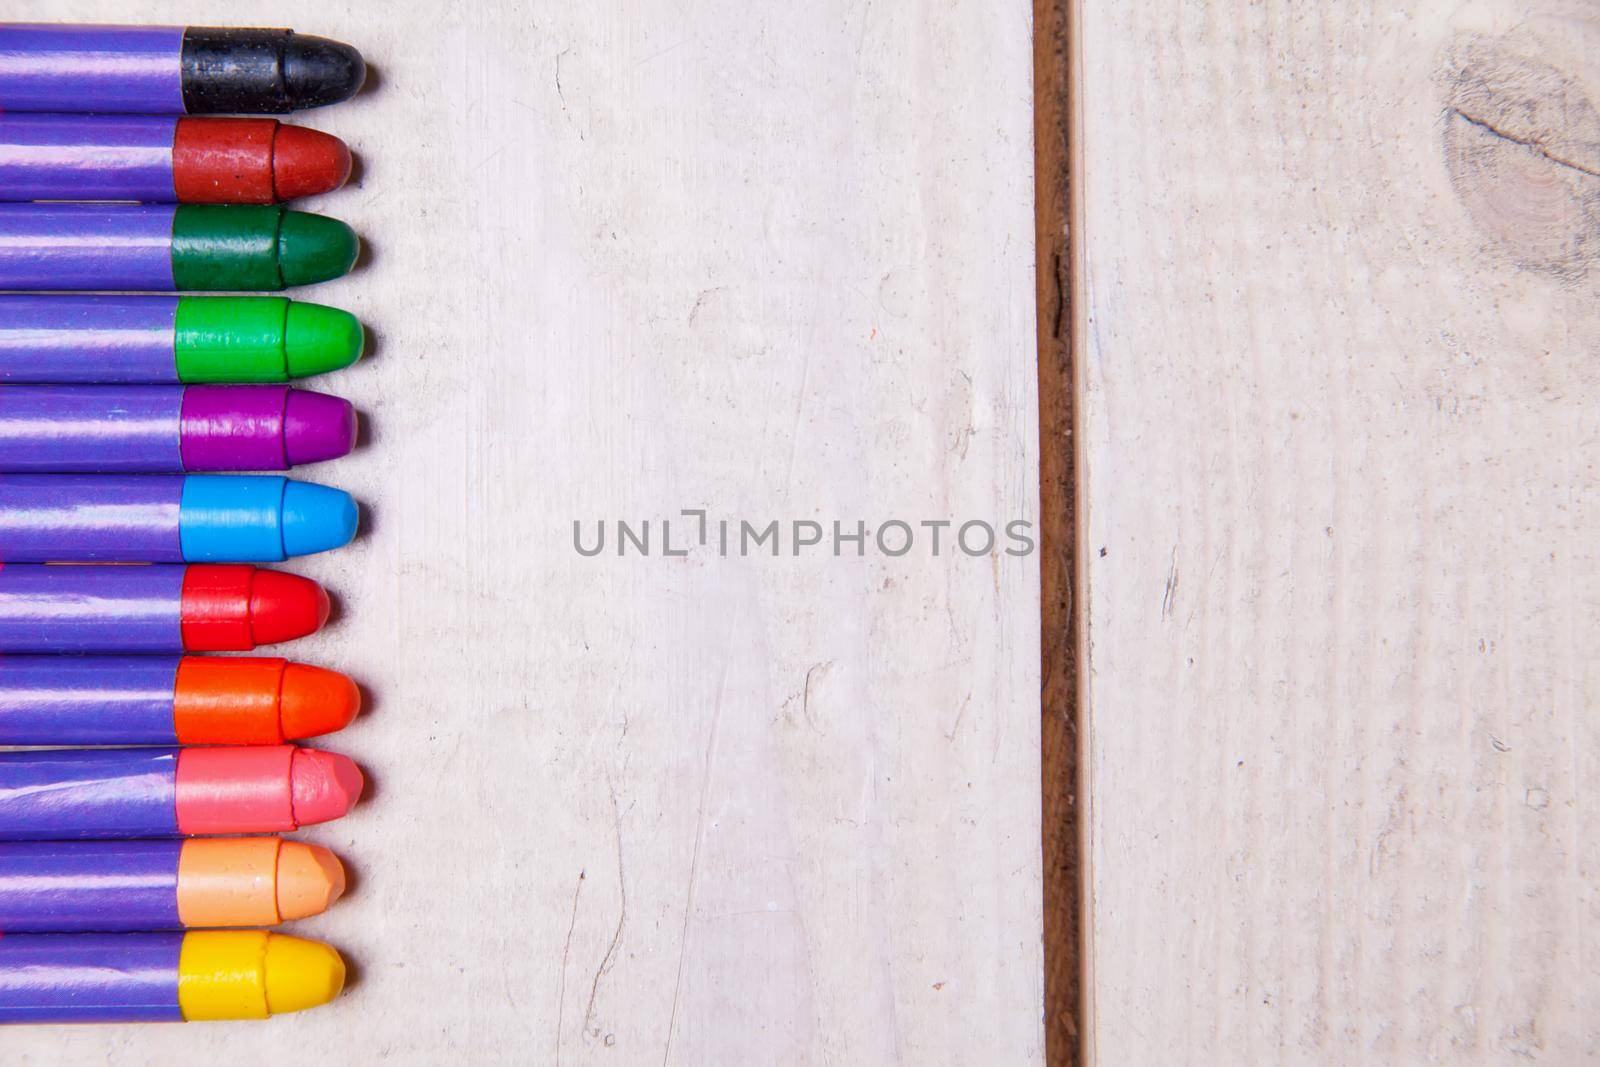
column 285, row 606
column 306, row 162
column 229, row 607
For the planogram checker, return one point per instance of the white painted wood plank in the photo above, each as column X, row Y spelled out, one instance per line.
column 774, row 261
column 1341, row 491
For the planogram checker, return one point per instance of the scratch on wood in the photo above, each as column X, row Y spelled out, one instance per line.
column 805, row 695
column 1169, row 597
column 950, row 735
column 699, row 837
column 610, row 957
column 699, row 302
column 566, row 951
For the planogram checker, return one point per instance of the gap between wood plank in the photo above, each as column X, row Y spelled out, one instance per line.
column 1059, row 701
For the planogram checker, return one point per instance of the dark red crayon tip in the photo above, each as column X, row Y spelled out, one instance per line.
column 306, row 162
column 253, row 161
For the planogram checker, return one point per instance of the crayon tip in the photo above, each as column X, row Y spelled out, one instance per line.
column 314, row 248
column 310, row 879
column 317, row 427
column 300, row 974
column 285, row 606
column 324, row 785
column 318, row 339
column 306, row 162
column 313, row 701
column 317, row 71
column 251, row 974
column 317, row 518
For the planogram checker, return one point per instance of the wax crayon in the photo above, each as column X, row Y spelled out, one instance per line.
column 120, row 428
column 160, row 339
column 171, row 976
column 169, row 518
column 163, row 160
column 169, row 700
column 77, row 886
column 160, row 608
column 172, row 70
column 53, row 794
column 165, row 247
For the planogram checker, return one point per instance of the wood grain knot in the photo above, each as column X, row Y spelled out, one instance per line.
column 1521, row 144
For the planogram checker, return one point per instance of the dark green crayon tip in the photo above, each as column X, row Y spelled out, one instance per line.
column 222, row 248
column 315, row 248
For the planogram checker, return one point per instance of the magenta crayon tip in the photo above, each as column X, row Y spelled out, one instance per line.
column 250, row 427
column 317, row 427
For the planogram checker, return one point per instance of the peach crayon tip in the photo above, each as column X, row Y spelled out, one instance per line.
column 310, row 880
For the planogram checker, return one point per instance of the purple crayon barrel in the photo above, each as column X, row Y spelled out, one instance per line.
column 48, row 67
column 91, row 428
column 89, row 885
column 84, row 793
column 91, row 609
column 90, row 518
column 86, row 246
column 87, row 700
column 88, row 338
column 111, row 428
column 99, row 978
column 87, row 157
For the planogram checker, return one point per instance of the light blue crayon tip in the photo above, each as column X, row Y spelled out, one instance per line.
column 317, row 518
column 248, row 518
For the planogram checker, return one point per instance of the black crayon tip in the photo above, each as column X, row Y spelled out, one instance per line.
column 317, row 71
column 232, row 70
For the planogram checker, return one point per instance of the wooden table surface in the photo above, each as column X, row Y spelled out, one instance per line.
column 1339, row 365
column 770, row 261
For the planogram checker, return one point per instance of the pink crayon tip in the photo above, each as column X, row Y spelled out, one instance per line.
column 254, row 789
column 325, row 785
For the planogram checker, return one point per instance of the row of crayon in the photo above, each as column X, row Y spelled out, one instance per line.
column 123, row 422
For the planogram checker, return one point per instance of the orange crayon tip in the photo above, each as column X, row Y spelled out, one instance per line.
column 313, row 701
column 250, row 700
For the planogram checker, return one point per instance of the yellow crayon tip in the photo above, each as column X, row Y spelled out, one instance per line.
column 301, row 974
column 250, row 974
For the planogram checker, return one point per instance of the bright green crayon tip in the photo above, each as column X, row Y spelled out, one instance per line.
column 261, row 339
column 314, row 248
column 318, row 339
